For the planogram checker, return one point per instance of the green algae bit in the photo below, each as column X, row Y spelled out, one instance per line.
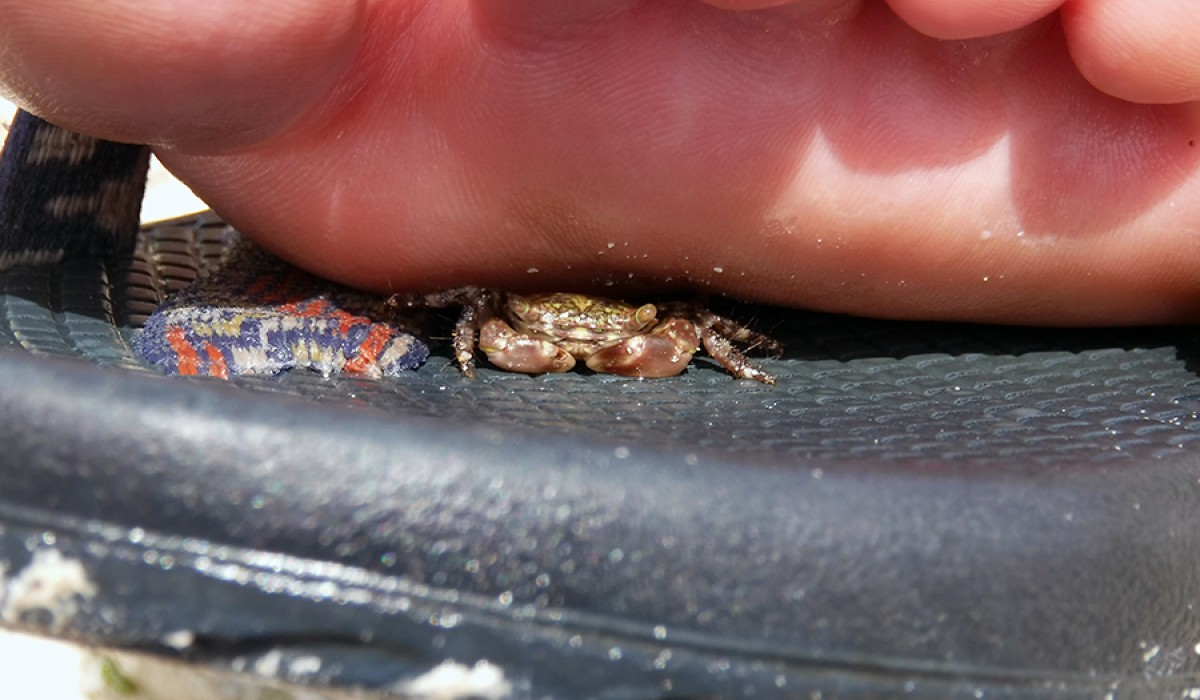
column 114, row 680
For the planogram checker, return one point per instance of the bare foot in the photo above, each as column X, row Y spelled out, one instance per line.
column 960, row 159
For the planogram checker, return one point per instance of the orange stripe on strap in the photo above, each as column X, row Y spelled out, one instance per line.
column 370, row 349
column 347, row 320
column 189, row 362
column 216, row 364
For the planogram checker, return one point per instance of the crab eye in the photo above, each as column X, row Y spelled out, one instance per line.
column 518, row 306
column 645, row 314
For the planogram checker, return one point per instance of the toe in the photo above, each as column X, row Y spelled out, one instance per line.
column 1138, row 51
column 176, row 73
column 964, row 19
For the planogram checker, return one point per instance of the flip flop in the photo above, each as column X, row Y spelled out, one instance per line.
column 914, row 509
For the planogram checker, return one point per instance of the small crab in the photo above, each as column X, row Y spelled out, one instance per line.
column 536, row 333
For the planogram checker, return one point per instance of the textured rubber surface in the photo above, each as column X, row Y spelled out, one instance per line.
column 942, row 510
column 849, row 388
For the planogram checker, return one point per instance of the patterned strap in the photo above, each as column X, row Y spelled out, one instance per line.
column 256, row 314
column 63, row 194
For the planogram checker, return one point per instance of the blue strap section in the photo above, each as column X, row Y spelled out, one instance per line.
column 63, row 194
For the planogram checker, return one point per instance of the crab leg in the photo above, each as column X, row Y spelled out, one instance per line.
column 738, row 333
column 476, row 306
column 723, row 351
column 726, row 327
column 464, row 339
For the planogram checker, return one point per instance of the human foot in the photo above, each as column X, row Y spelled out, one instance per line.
column 821, row 154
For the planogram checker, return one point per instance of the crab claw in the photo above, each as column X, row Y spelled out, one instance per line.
column 663, row 352
column 514, row 352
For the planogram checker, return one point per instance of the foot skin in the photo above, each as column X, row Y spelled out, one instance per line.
column 954, row 159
